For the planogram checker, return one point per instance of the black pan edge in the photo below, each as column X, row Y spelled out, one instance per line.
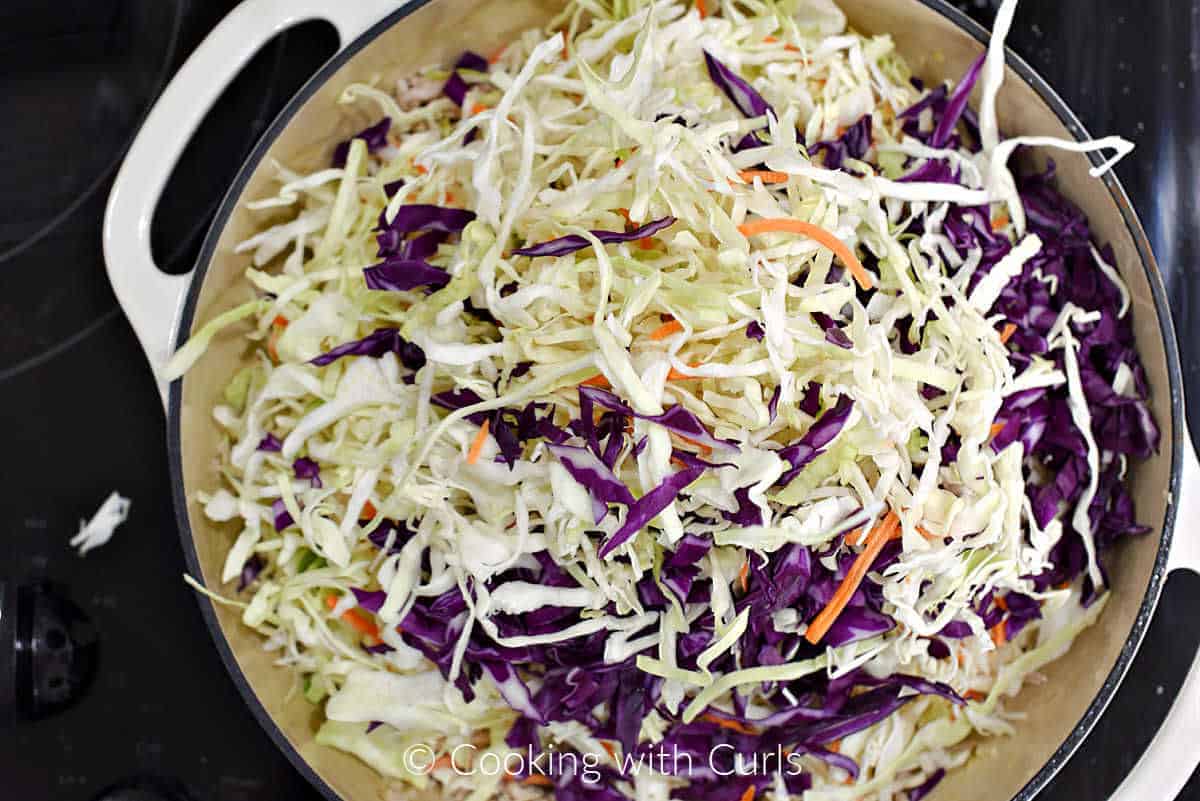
column 978, row 32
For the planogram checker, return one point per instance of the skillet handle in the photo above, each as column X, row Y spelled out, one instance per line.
column 152, row 299
column 1173, row 754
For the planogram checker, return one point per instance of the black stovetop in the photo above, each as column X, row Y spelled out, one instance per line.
column 82, row 417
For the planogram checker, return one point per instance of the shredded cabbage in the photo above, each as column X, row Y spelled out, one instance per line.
column 579, row 462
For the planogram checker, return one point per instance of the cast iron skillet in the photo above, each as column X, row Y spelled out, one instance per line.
column 938, row 41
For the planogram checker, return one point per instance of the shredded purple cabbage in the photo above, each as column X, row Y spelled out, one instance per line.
column 375, row 136
column 564, row 245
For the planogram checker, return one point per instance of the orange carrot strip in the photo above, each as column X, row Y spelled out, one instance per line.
column 835, row 746
column 878, row 537
column 477, row 445
column 702, row 10
column 1002, row 603
column 815, row 232
column 368, row 511
column 854, row 537
column 995, row 429
column 974, row 695
column 766, row 176
column 999, row 633
column 744, row 576
column 927, row 534
column 538, row 780
column 354, row 618
column 280, row 321
column 497, row 54
column 999, row 222
column 748, row 795
column 608, row 747
column 597, row 380
column 666, row 329
column 732, row 725
column 1007, row 331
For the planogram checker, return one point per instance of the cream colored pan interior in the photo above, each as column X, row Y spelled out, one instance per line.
column 437, row 33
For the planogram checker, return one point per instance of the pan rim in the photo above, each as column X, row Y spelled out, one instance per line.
column 1023, row 70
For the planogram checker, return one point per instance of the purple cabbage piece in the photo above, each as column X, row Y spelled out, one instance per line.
column 599, row 480
column 456, row 399
column 375, row 136
column 270, row 444
column 938, row 649
column 820, row 434
column 645, row 508
column 385, row 530
column 564, row 245
column 926, row 787
column 1022, row 610
column 392, row 187
column 374, row 345
column 254, row 565
column 834, row 333
column 773, row 404
column 378, row 648
column 513, row 689
column 280, row 515
column 418, row 217
column 456, row 87
column 810, row 400
column 857, row 623
column 755, row 331
column 688, row 459
column 676, row 419
column 404, row 275
column 956, row 103
column 371, row 600
column 740, row 93
column 854, row 143
column 747, row 513
column 307, row 468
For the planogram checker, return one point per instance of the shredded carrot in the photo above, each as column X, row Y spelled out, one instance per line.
column 608, row 747
column 598, row 380
column 666, row 329
column 995, row 429
column 1007, row 331
column 999, row 222
column 766, row 176
column 974, row 695
column 769, row 40
column 749, row 794
column 625, row 213
column 816, row 232
column 835, row 746
column 449, row 199
column 1002, row 603
column 702, row 10
column 878, row 537
column 929, row 535
column 280, row 321
column 999, row 633
column 477, row 445
column 732, row 725
column 647, row 243
column 368, row 511
column 422, row 169
column 675, row 375
column 478, row 108
column 744, row 576
column 497, row 54
column 354, row 618
column 1062, row 585
column 854, row 537
column 444, row 761
column 538, row 780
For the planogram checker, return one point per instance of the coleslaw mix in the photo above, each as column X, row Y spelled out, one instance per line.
column 678, row 377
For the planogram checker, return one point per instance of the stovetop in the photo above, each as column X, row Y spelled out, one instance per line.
column 156, row 716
